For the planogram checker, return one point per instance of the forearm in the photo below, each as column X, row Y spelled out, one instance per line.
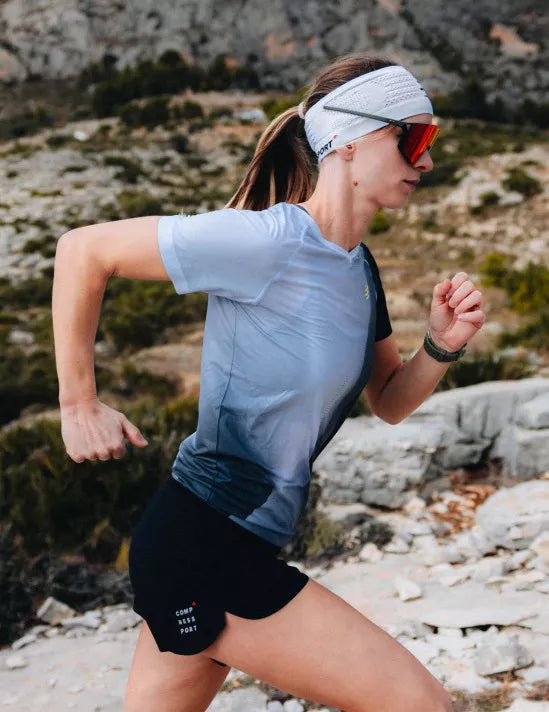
column 410, row 386
column 78, row 287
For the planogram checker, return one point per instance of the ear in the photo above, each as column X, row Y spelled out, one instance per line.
column 346, row 152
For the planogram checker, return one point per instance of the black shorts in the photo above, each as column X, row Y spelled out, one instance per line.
column 189, row 563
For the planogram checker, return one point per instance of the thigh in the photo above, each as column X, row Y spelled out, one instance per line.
column 167, row 682
column 320, row 648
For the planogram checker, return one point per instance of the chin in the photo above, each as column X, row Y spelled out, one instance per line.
column 397, row 202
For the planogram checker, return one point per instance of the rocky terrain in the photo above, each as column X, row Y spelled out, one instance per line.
column 500, row 43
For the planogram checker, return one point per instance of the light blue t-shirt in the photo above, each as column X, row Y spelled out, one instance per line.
column 288, row 344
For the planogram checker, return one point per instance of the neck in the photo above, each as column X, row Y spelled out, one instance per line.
column 339, row 215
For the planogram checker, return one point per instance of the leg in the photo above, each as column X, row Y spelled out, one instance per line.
column 320, row 648
column 166, row 682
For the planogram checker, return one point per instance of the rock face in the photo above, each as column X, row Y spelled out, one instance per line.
column 515, row 516
column 377, row 463
column 286, row 43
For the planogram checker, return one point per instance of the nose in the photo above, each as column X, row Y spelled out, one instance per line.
column 424, row 163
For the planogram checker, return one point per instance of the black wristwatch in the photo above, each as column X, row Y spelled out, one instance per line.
column 438, row 353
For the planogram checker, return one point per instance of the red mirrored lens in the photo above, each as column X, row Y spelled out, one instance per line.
column 416, row 139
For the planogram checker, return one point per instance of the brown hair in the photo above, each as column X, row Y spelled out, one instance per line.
column 281, row 170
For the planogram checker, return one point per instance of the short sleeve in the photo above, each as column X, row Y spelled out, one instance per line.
column 383, row 322
column 230, row 253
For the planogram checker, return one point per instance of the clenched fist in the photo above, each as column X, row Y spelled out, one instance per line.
column 91, row 430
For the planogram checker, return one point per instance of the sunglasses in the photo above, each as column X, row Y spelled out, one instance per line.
column 415, row 138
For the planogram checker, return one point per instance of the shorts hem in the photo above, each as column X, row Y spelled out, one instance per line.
column 199, row 647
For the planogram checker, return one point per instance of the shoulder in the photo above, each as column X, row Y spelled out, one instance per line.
column 272, row 222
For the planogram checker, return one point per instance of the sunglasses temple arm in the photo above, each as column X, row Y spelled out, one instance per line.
column 395, row 122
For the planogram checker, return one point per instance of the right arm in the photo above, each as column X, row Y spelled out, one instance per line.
column 85, row 259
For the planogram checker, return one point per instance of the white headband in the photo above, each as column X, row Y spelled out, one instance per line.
column 391, row 91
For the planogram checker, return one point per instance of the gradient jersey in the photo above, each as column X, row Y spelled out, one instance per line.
column 288, row 344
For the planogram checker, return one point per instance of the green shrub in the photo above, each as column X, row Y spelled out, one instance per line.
column 273, row 107
column 28, row 293
column 189, row 110
column 380, row 223
column 34, row 118
column 136, row 312
column 494, row 269
column 7, row 318
column 56, row 504
column 26, row 379
column 466, row 255
column 134, row 381
column 200, row 125
column 443, row 172
column 523, row 183
column 180, row 143
column 527, row 289
column 196, row 161
column 149, row 114
column 486, row 200
column 130, row 170
column 135, row 205
column 479, row 368
column 219, row 111
column 534, row 334
column 74, row 169
column 430, row 221
column 57, row 140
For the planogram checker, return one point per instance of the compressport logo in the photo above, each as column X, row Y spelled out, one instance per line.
column 324, row 148
column 186, row 621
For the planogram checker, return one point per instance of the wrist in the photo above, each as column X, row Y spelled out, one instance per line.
column 438, row 341
column 439, row 353
column 74, row 401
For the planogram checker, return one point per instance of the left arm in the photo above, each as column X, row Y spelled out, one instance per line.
column 395, row 389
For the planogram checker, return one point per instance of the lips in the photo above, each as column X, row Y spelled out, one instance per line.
column 412, row 182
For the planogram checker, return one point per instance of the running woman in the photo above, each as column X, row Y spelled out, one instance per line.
column 296, row 329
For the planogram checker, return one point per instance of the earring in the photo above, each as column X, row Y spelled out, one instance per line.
column 355, row 182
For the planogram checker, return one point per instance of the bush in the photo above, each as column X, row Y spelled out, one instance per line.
column 26, row 379
column 534, row 334
column 273, row 107
column 486, row 200
column 527, row 289
column 45, row 245
column 33, row 292
column 443, row 172
column 136, row 312
column 480, row 368
column 220, row 111
column 494, row 269
column 149, row 114
column 55, row 503
column 189, row 110
column 135, row 205
column 180, row 143
column 130, row 170
column 57, row 140
column 380, row 223
column 523, row 183
column 134, row 381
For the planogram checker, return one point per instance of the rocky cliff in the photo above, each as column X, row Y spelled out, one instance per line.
column 498, row 42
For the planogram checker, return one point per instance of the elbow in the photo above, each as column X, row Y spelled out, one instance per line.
column 391, row 420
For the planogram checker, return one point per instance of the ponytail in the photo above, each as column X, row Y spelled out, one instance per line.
column 280, row 170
